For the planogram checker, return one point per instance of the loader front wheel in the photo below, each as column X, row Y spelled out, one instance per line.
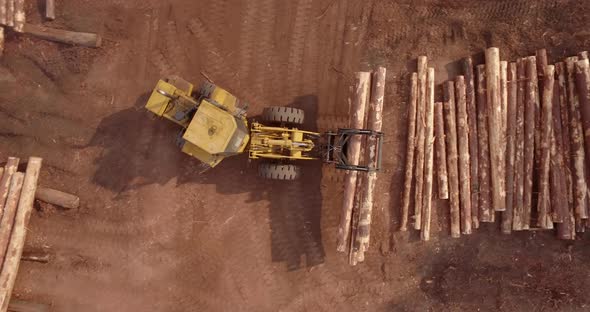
column 284, row 172
column 281, row 114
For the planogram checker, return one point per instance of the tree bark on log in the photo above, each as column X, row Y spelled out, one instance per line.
column 529, row 141
column 566, row 230
column 494, row 110
column 420, row 135
column 582, row 70
column 7, row 221
column 50, row 9
column 577, row 144
column 441, row 154
column 64, row 36
column 504, row 103
column 511, row 112
column 19, row 231
column 10, row 12
column 2, row 40
column 3, row 4
column 35, row 256
column 486, row 211
column 463, row 144
column 540, row 60
column 57, row 198
column 375, row 122
column 452, row 157
column 428, row 156
column 518, row 206
column 473, row 135
column 559, row 201
column 359, row 103
column 19, row 15
column 544, row 201
column 410, row 148
column 9, row 169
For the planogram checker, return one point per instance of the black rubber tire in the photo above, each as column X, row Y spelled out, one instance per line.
column 282, row 172
column 280, row 114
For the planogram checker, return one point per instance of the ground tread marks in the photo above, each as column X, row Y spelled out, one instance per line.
column 297, row 46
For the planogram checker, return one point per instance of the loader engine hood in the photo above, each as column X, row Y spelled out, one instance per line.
column 217, row 132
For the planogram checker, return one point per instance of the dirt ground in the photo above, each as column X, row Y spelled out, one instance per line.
column 152, row 234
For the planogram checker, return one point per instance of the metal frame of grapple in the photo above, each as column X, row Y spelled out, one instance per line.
column 336, row 151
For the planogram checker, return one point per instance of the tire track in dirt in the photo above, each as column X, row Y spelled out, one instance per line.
column 248, row 39
column 174, row 47
column 216, row 65
column 297, row 48
column 266, row 15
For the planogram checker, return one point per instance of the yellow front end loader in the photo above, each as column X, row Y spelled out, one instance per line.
column 214, row 126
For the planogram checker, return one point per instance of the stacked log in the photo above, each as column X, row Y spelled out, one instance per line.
column 13, row 226
column 359, row 103
column 428, row 156
column 486, row 211
column 463, row 144
column 516, row 141
column 467, row 65
column 511, row 112
column 452, row 157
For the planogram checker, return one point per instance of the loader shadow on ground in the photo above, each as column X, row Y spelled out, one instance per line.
column 139, row 150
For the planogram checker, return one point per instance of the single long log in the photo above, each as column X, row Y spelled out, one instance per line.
column 544, row 201
column 441, row 153
column 19, row 231
column 486, row 211
column 19, row 15
column 2, row 40
column 529, row 140
column 375, row 122
column 359, row 103
column 50, row 9
column 577, row 143
column 10, row 12
column 582, row 70
column 559, row 201
column 540, row 60
column 7, row 220
column 473, row 144
column 583, row 55
column 57, row 198
column 9, row 169
column 504, row 102
column 494, row 110
column 511, row 112
column 518, row 206
column 566, row 230
column 420, row 135
column 452, row 157
column 410, row 148
column 64, row 36
column 40, row 256
column 3, row 4
column 428, row 156
column 463, row 143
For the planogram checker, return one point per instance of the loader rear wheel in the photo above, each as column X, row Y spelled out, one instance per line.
column 283, row 172
column 280, row 114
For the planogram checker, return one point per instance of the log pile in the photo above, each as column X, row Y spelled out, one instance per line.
column 513, row 137
column 13, row 16
column 354, row 232
column 18, row 191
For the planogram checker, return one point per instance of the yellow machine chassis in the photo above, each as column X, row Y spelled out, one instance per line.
column 280, row 142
